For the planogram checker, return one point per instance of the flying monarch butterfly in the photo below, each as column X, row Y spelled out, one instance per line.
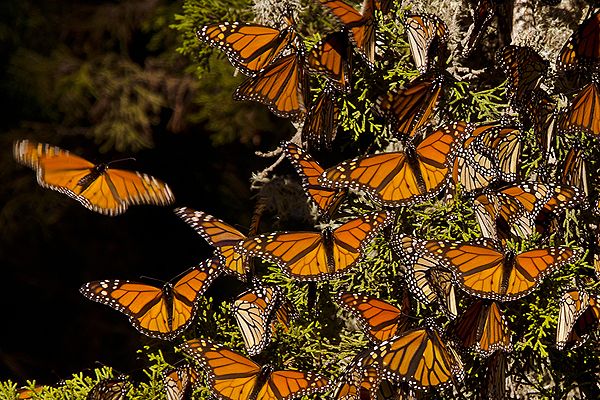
column 409, row 109
column 582, row 49
column 313, row 256
column 327, row 200
column 249, row 47
column 110, row 389
column 322, row 120
column 380, row 319
column 427, row 38
column 482, row 17
column 400, row 178
column 360, row 25
column 419, row 357
column 525, row 70
column 490, row 152
column 282, row 86
column 523, row 209
column 257, row 311
column 235, row 377
column 220, row 235
column 98, row 187
column 583, row 112
column 332, row 56
column 578, row 316
column 426, row 280
column 156, row 312
column 179, row 381
column 488, row 271
column 482, row 328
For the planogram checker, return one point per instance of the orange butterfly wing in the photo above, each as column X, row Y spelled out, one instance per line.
column 332, row 57
column 322, row 120
column 283, row 385
column 583, row 112
column 578, row 316
column 583, row 47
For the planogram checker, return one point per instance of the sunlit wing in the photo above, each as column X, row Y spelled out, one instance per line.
column 583, row 113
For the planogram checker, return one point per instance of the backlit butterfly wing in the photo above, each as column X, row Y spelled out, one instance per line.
column 378, row 318
column 332, row 56
column 487, row 272
column 583, row 113
column 578, row 316
column 408, row 109
column 489, row 152
column 177, row 381
column 482, row 328
column 400, row 178
column 249, row 47
column 322, row 120
column 156, row 312
column 425, row 279
column 235, row 377
column 220, row 235
column 427, row 37
column 574, row 171
column 109, row 389
column 313, row 256
column 582, row 49
column 281, row 86
column 419, row 357
column 97, row 187
column 361, row 25
column 525, row 69
column 326, row 199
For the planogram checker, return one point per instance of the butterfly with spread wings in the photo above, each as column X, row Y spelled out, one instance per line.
column 314, row 256
column 583, row 113
column 578, row 316
column 425, row 279
column 487, row 270
column 234, row 377
column 327, row 200
column 427, row 38
column 408, row 109
column 482, row 328
column 257, row 311
column 156, row 312
column 322, row 120
column 401, row 178
column 179, row 381
column 220, row 235
column 110, row 389
column 359, row 25
column 98, row 187
column 490, row 152
column 332, row 57
column 379, row 319
column 582, row 49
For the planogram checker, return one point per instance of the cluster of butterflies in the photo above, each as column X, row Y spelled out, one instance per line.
column 481, row 161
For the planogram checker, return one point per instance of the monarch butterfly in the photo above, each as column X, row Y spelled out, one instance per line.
column 378, row 318
column 177, row 381
column 332, row 56
column 156, row 312
column 523, row 209
column 408, row 109
column 28, row 392
column 256, row 312
column 578, row 316
column 98, row 187
column 419, row 357
column 427, row 37
column 582, row 49
column 574, row 171
column 495, row 387
column 488, row 271
column 220, row 235
column 313, row 256
column 249, row 47
column 282, row 86
column 482, row 328
column 540, row 112
column 490, row 152
column 326, row 200
column 322, row 120
column 235, row 377
column 583, row 111
column 426, row 280
column 360, row 25
column 482, row 17
column 525, row 69
column 400, row 178
column 110, row 389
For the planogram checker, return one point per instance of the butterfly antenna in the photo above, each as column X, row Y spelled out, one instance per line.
column 121, row 160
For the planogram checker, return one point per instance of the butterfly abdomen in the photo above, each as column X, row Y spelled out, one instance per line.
column 94, row 174
column 328, row 243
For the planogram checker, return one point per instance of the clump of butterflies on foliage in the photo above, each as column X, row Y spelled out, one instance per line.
column 480, row 161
